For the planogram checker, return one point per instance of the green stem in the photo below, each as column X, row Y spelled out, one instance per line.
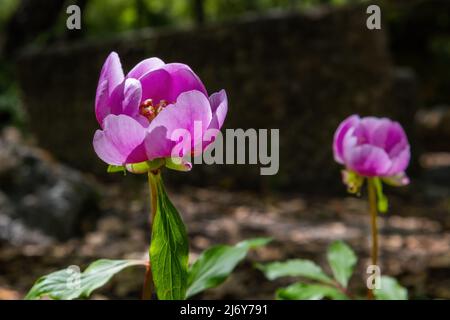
column 373, row 220
column 344, row 290
column 148, row 280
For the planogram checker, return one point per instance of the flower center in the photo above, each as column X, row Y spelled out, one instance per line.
column 150, row 110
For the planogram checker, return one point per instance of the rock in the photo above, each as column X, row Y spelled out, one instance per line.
column 14, row 231
column 40, row 194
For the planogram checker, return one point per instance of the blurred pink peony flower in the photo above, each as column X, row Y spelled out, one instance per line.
column 373, row 147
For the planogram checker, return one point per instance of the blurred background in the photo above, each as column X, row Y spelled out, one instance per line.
column 298, row 65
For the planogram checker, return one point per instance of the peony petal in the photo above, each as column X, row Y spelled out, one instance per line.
column 390, row 136
column 144, row 67
column 157, row 143
column 191, row 109
column 399, row 162
column 132, row 97
column 110, row 77
column 120, row 141
column 366, row 130
column 169, row 82
column 105, row 150
column 126, row 98
column 101, row 102
column 368, row 160
column 112, row 71
column 156, row 86
column 219, row 108
column 183, row 79
column 338, row 140
column 396, row 141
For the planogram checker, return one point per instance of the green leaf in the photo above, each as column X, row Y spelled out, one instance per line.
column 254, row 243
column 216, row 263
column 294, row 268
column 169, row 248
column 115, row 169
column 382, row 201
column 390, row 289
column 68, row 284
column 303, row 291
column 342, row 260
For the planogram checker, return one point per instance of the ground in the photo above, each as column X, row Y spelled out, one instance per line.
column 414, row 242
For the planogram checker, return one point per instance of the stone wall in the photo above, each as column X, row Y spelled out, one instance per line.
column 302, row 73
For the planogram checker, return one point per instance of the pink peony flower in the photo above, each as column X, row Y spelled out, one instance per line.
column 138, row 113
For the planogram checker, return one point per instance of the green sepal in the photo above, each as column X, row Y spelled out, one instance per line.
column 399, row 180
column 353, row 181
column 178, row 164
column 382, row 201
column 145, row 166
column 115, row 169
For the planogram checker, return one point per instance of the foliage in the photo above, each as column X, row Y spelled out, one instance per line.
column 319, row 285
column 216, row 263
column 390, row 290
column 169, row 248
column 68, row 284
column 211, row 269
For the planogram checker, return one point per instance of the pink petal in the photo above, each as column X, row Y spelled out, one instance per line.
column 101, row 102
column 132, row 97
column 399, row 162
column 339, row 135
column 120, row 141
column 112, row 71
column 126, row 98
column 219, row 108
column 156, row 86
column 368, row 160
column 110, row 77
column 183, row 79
column 390, row 136
column 144, row 67
column 191, row 107
column 169, row 82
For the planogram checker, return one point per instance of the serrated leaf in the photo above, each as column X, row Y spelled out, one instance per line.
column 68, row 284
column 390, row 289
column 295, row 268
column 169, row 248
column 215, row 264
column 304, row 291
column 342, row 261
